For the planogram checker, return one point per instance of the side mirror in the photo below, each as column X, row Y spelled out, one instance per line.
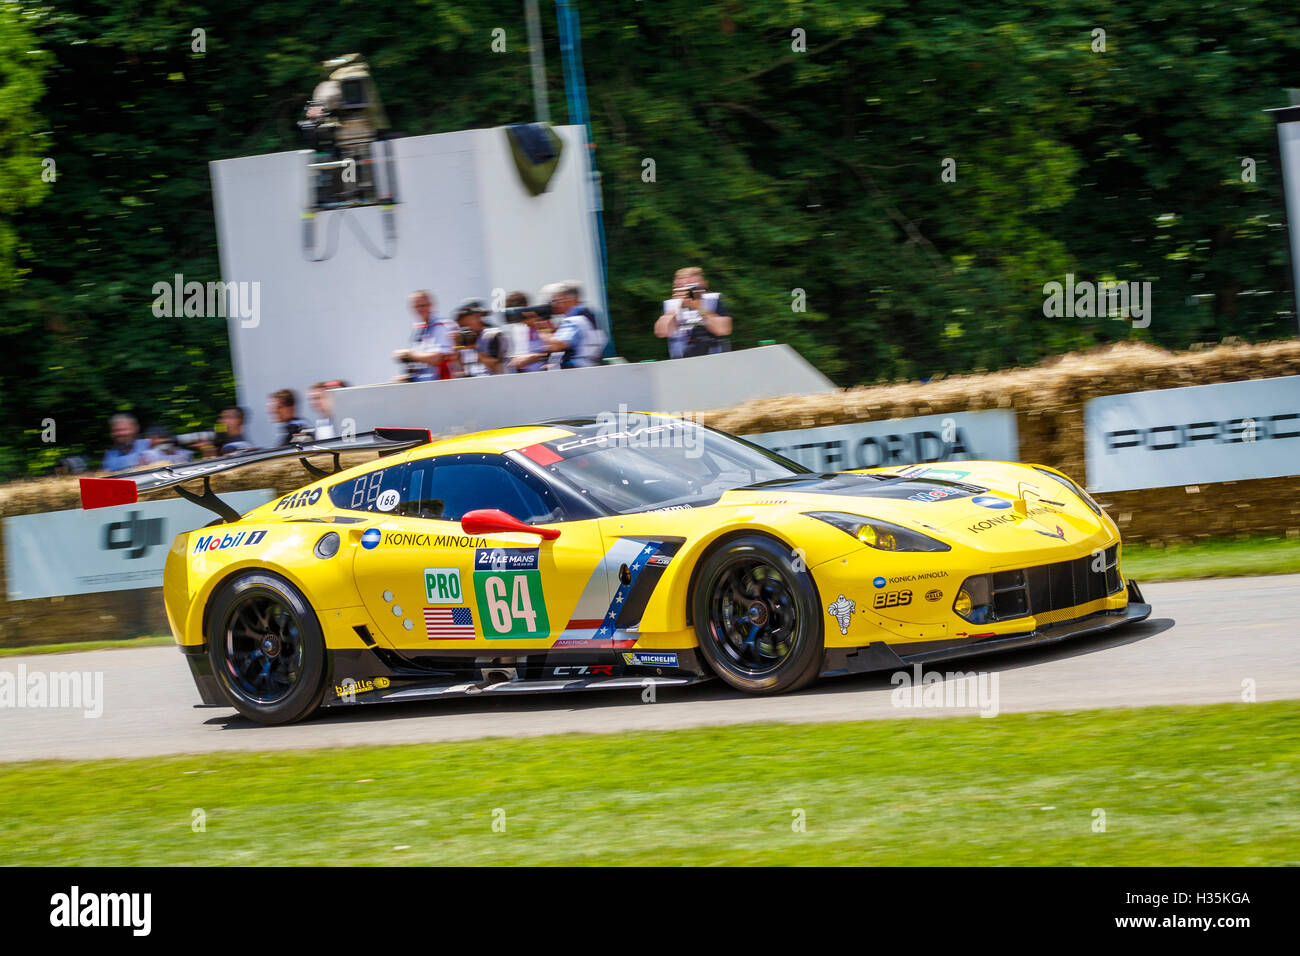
column 493, row 520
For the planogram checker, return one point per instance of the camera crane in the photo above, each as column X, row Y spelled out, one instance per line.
column 351, row 164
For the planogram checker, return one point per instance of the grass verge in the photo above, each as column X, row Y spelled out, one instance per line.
column 1219, row 558
column 1179, row 786
column 69, row 647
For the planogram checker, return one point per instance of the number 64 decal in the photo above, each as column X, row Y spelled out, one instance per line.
column 511, row 604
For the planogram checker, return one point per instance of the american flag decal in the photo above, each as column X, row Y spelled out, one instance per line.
column 449, row 623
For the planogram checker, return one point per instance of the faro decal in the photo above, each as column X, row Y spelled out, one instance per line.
column 308, row 496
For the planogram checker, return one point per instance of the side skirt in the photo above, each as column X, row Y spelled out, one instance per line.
column 376, row 675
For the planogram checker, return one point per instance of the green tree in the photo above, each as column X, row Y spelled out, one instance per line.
column 799, row 150
column 24, row 179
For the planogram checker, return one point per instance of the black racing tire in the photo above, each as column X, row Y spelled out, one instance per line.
column 757, row 616
column 266, row 648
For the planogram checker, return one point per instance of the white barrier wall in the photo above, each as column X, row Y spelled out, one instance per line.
column 691, row 384
column 465, row 225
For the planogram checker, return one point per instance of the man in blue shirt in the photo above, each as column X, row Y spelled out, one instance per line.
column 433, row 347
column 129, row 450
column 580, row 341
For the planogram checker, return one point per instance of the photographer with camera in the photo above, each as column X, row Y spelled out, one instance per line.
column 480, row 347
column 577, row 342
column 538, row 343
column 694, row 320
column 515, row 331
column 432, row 355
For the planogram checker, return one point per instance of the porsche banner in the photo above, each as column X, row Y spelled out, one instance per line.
column 108, row 549
column 1232, row 431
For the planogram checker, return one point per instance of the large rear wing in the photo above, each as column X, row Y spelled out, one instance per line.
column 126, row 489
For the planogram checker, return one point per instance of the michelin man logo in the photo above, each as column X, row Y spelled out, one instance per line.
column 842, row 611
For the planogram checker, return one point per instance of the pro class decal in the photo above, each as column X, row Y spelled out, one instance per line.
column 442, row 586
column 508, row 589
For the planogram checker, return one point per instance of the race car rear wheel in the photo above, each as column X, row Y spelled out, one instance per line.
column 266, row 648
column 756, row 616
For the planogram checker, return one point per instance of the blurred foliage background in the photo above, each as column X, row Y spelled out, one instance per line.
column 776, row 170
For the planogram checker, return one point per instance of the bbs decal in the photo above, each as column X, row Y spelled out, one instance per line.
column 893, row 598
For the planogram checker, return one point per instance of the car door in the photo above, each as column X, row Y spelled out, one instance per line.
column 432, row 587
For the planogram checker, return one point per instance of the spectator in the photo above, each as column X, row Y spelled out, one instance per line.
column 322, row 403
column 129, row 450
column 479, row 346
column 516, row 330
column 230, row 431
column 432, row 352
column 282, row 407
column 579, row 340
column 163, row 449
column 538, row 344
column 694, row 320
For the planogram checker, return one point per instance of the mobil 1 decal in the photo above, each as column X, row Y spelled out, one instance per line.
column 508, row 588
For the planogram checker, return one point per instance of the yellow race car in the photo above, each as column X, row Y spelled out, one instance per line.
column 615, row 554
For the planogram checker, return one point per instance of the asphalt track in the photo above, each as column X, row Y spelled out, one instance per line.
column 1204, row 641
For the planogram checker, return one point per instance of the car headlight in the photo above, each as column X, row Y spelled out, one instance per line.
column 881, row 535
column 974, row 601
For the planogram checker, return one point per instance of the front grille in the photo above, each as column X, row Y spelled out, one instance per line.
column 1048, row 588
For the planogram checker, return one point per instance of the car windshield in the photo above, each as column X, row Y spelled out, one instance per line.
column 667, row 463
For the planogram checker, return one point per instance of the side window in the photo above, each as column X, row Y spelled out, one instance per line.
column 382, row 490
column 446, row 488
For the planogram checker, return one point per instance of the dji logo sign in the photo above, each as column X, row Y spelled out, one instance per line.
column 135, row 535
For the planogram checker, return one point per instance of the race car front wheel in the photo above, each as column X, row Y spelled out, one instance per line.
column 266, row 648
column 755, row 611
